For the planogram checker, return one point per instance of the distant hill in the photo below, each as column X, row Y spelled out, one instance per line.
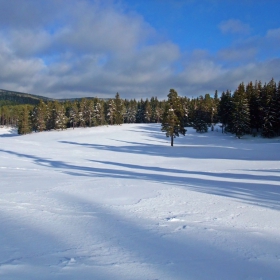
column 8, row 97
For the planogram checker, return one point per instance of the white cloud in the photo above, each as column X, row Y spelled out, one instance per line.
column 88, row 48
column 234, row 26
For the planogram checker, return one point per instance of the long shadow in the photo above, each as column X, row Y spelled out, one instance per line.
column 8, row 135
column 185, row 151
column 256, row 193
column 168, row 256
column 185, row 172
column 34, row 250
column 108, row 245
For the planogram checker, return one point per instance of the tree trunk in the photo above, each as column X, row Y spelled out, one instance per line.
column 172, row 138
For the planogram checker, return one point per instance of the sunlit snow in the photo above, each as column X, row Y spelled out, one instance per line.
column 118, row 202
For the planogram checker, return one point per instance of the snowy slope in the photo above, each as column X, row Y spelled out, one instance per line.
column 120, row 203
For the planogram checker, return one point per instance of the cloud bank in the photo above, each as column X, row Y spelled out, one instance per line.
column 87, row 48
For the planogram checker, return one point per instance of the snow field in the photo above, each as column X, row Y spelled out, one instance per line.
column 120, row 203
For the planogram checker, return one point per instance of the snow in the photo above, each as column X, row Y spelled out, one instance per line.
column 118, row 202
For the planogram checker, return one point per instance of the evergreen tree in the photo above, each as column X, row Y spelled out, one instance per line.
column 73, row 114
column 225, row 110
column 202, row 115
column 269, row 115
column 240, row 113
column 173, row 117
column 118, row 118
column 147, row 111
column 24, row 124
column 277, row 110
column 140, row 116
column 111, row 110
column 199, row 123
column 39, row 117
column 58, row 116
column 98, row 113
column 49, row 116
column 131, row 110
column 82, row 116
column 253, row 94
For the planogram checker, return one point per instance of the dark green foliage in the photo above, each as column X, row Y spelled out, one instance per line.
column 225, row 110
column 111, row 109
column 147, row 111
column 140, row 115
column 20, row 97
column 72, row 113
column 98, row 112
column 119, row 110
column 173, row 117
column 39, row 116
column 268, row 108
column 203, row 115
column 252, row 109
column 240, row 112
column 24, row 125
column 252, row 94
column 130, row 111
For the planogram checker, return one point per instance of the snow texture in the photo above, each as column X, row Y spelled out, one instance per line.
column 119, row 203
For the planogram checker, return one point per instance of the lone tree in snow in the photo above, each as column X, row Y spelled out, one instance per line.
column 173, row 117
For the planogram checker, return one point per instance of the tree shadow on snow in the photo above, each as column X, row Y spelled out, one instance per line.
column 263, row 191
column 164, row 255
column 196, row 151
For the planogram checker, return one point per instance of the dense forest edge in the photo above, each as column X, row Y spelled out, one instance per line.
column 251, row 109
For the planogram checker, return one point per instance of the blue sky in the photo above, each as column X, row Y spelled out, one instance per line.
column 76, row 48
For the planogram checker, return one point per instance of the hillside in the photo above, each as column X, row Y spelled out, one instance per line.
column 16, row 98
column 8, row 97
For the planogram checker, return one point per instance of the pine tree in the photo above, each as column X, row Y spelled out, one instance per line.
column 253, row 94
column 98, row 113
column 24, row 124
column 119, row 110
column 140, row 111
column 277, row 109
column 204, row 113
column 225, row 111
column 131, row 109
column 147, row 111
column 111, row 111
column 72, row 114
column 39, row 117
column 59, row 118
column 269, row 115
column 173, row 117
column 240, row 112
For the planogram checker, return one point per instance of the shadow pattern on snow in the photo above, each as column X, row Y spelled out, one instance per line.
column 118, row 243
column 185, row 151
column 264, row 191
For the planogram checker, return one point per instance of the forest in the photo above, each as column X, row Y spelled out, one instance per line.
column 251, row 109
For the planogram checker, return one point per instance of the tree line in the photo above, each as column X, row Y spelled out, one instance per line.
column 251, row 109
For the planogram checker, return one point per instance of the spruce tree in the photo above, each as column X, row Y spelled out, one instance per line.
column 72, row 114
column 225, row 111
column 173, row 117
column 98, row 113
column 252, row 94
column 140, row 115
column 59, row 118
column 269, row 115
column 240, row 112
column 39, row 117
column 147, row 111
column 111, row 111
column 24, row 124
column 119, row 110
